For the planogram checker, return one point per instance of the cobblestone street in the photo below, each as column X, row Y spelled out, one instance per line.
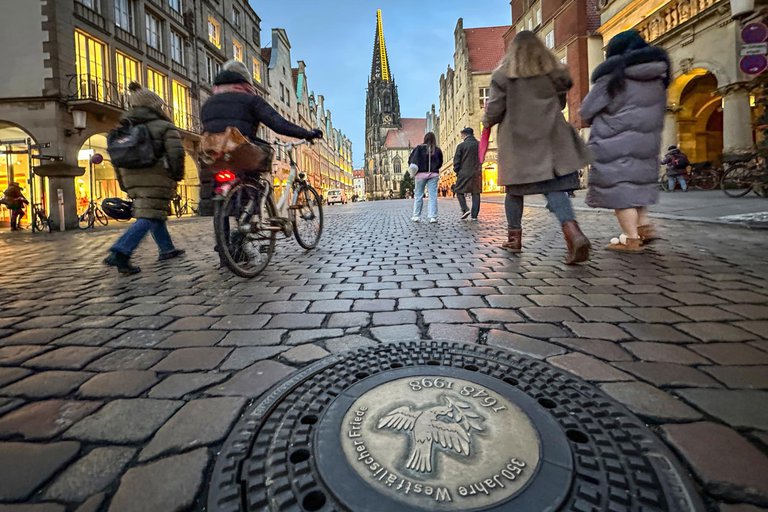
column 116, row 393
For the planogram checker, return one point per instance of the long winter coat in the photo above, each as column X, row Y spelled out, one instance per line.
column 466, row 165
column 625, row 138
column 152, row 188
column 536, row 143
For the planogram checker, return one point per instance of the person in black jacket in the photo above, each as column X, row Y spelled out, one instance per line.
column 469, row 177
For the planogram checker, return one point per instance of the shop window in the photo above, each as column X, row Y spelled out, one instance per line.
column 157, row 83
column 214, row 32
column 89, row 63
column 124, row 15
column 181, row 106
column 127, row 71
column 237, row 50
column 177, row 47
column 154, row 31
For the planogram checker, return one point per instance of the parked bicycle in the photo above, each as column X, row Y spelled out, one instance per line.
column 40, row 221
column 701, row 176
column 91, row 215
column 744, row 175
column 182, row 208
column 247, row 220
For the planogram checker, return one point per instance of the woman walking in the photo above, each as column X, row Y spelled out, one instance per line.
column 626, row 108
column 539, row 152
column 427, row 159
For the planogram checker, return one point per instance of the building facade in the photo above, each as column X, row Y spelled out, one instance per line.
column 464, row 91
column 359, row 175
column 709, row 107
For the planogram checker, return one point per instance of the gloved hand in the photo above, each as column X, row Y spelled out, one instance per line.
column 316, row 134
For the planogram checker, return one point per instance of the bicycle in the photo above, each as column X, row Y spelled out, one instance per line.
column 40, row 221
column 701, row 176
column 247, row 220
column 743, row 176
column 91, row 215
column 181, row 209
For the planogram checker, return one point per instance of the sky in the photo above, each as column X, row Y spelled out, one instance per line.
column 335, row 39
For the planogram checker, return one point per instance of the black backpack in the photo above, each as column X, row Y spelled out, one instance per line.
column 679, row 160
column 130, row 146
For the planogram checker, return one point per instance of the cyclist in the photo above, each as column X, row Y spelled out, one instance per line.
column 15, row 201
column 235, row 104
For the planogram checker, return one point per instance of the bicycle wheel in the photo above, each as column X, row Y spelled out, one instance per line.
column 86, row 219
column 177, row 210
column 707, row 180
column 42, row 223
column 101, row 216
column 664, row 183
column 737, row 181
column 244, row 241
column 308, row 217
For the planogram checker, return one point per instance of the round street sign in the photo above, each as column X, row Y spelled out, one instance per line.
column 753, row 64
column 754, row 33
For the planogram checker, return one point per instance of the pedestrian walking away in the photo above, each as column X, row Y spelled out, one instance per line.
column 677, row 166
column 424, row 163
column 469, row 178
column 626, row 108
column 528, row 92
column 14, row 200
column 151, row 188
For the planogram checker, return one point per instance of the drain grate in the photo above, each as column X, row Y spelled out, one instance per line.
column 444, row 427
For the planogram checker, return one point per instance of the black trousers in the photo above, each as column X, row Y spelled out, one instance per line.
column 475, row 204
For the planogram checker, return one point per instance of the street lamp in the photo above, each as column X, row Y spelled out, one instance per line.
column 79, row 119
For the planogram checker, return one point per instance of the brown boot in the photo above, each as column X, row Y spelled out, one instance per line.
column 514, row 241
column 647, row 233
column 577, row 243
column 625, row 244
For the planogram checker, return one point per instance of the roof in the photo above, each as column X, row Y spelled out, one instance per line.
column 410, row 135
column 486, row 47
column 358, row 173
column 266, row 55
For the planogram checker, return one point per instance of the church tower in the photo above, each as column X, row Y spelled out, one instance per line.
column 382, row 114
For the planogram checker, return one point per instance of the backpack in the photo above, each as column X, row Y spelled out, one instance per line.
column 678, row 160
column 130, row 146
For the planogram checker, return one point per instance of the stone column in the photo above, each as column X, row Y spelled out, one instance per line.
column 669, row 134
column 737, row 121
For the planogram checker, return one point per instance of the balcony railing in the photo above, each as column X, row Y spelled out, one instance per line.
column 126, row 37
column 181, row 69
column 156, row 55
column 186, row 122
column 671, row 16
column 86, row 13
column 85, row 87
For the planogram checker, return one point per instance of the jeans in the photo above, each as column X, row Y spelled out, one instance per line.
column 679, row 179
column 557, row 202
column 475, row 204
column 419, row 201
column 133, row 236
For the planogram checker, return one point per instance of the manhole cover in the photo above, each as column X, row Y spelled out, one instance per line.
column 443, row 427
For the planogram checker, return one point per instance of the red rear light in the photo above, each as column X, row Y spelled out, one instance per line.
column 224, row 176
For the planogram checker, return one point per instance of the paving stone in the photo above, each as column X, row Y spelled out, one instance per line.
column 158, row 491
column 127, row 359
column 354, row 341
column 545, row 331
column 124, row 421
column 252, row 338
column 199, row 423
column 668, row 374
column 125, row 383
column 47, row 384
column 235, row 309
column 509, row 301
column 555, row 300
column 601, row 331
column 419, row 303
column 304, row 354
column 446, row 316
column 190, row 359
column 35, row 336
column 146, row 322
column 331, row 306
column 601, row 314
column 41, row 322
column 20, row 353
column 463, row 302
column 66, row 358
column 696, row 299
column 394, row 318
column 601, row 299
column 606, row 350
column 143, row 310
column 374, row 305
column 140, row 338
column 523, row 344
column 706, row 313
column 192, row 338
column 726, row 507
column 489, row 315
column 742, row 296
column 187, row 310
column 740, row 377
column 25, row 466
column 664, row 353
column 454, row 333
column 306, row 336
column 395, row 333
column 284, row 306
column 654, row 315
column 549, row 314
column 757, row 327
column 712, row 331
column 90, row 474
column 296, row 321
column 650, row 402
column 726, row 463
column 741, row 409
column 243, row 357
column 46, row 419
column 246, row 322
column 588, row 368
column 34, row 507
column 650, row 300
column 732, row 353
column 8, row 375
column 252, row 381
column 656, row 332
column 191, row 323
column 179, row 385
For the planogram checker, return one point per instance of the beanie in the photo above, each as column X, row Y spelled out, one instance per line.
column 238, row 67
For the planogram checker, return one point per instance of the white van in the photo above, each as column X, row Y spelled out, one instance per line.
column 336, row 196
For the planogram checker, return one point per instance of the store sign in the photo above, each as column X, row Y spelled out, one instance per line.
column 753, row 64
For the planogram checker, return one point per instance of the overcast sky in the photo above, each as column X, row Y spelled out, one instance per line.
column 335, row 39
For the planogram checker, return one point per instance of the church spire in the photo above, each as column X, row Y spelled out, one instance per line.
column 380, row 66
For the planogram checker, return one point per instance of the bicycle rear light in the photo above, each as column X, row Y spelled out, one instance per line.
column 224, row 176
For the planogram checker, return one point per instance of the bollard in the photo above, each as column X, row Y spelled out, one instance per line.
column 60, row 194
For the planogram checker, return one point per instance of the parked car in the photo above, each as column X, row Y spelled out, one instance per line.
column 336, row 196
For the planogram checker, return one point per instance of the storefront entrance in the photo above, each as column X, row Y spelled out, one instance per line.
column 15, row 167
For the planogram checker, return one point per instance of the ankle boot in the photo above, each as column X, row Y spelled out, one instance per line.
column 647, row 233
column 122, row 262
column 577, row 243
column 514, row 241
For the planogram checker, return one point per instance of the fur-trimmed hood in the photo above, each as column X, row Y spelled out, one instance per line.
column 619, row 64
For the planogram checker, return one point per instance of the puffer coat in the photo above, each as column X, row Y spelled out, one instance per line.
column 152, row 188
column 625, row 139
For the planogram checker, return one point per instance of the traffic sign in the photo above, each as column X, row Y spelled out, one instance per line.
column 48, row 157
column 754, row 33
column 753, row 64
column 754, row 49
column 44, row 145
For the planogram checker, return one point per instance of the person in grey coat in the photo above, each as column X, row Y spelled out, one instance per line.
column 626, row 108
column 469, row 177
column 539, row 152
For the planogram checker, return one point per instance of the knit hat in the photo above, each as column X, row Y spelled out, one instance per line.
column 624, row 42
column 238, row 67
column 671, row 148
column 140, row 97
